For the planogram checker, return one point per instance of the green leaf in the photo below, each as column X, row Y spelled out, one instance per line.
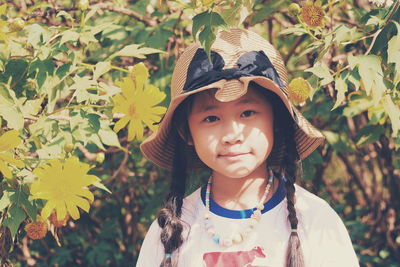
column 15, row 217
column 94, row 121
column 230, row 14
column 31, row 108
column 394, row 49
column 207, row 20
column 102, row 186
column 207, row 38
column 66, row 15
column 296, row 30
column 13, row 116
column 370, row 70
column 268, row 9
column 81, row 87
column 321, row 71
column 90, row 14
column 20, row 198
column 134, row 50
column 95, row 139
column 394, row 113
column 109, row 137
column 37, row 35
column 43, row 69
column 357, row 106
column 101, row 68
column 69, row 35
column 5, row 200
column 159, row 38
column 341, row 88
column 369, row 134
column 338, row 141
column 343, row 34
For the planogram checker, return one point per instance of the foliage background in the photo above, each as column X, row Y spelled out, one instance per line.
column 60, row 63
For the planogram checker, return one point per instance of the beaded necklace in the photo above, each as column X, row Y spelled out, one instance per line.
column 239, row 236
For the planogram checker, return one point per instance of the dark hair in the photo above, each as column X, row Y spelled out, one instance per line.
column 284, row 152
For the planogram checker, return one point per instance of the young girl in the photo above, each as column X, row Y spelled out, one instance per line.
column 232, row 116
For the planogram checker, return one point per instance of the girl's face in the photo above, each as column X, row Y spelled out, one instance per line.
column 232, row 138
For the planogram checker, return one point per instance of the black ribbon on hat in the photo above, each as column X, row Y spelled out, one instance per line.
column 202, row 72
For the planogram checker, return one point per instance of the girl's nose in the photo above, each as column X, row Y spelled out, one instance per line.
column 233, row 133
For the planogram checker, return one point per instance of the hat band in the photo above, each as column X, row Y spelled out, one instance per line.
column 202, row 71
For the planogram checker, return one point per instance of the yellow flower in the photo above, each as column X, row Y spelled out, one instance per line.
column 8, row 141
column 299, row 90
column 312, row 14
column 64, row 185
column 138, row 103
column 36, row 230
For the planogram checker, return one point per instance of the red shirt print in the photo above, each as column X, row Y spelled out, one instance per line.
column 234, row 258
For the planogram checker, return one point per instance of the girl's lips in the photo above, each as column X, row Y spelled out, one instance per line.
column 233, row 155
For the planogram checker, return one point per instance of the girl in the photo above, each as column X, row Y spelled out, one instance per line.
column 232, row 116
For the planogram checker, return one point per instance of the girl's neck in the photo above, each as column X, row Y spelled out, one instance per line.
column 241, row 193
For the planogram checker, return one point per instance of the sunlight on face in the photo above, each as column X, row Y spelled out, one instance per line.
column 232, row 138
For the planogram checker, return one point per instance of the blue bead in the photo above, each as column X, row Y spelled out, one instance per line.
column 216, row 239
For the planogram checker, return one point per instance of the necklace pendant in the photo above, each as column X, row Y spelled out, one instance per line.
column 237, row 237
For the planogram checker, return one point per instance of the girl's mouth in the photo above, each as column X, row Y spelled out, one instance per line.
column 233, row 155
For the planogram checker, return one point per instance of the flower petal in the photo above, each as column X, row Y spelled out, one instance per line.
column 9, row 140
column 141, row 74
column 121, row 124
column 81, row 203
column 48, row 209
column 5, row 170
column 8, row 157
column 61, row 209
column 72, row 210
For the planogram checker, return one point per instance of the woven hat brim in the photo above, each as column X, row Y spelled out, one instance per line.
column 159, row 146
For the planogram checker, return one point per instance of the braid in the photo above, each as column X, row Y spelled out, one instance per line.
column 294, row 253
column 169, row 217
column 284, row 153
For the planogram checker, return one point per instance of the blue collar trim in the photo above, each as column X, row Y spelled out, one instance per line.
column 278, row 196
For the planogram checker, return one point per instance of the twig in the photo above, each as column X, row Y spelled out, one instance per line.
column 298, row 41
column 121, row 166
column 360, row 182
column 89, row 155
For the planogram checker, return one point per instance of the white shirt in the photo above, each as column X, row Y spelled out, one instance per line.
column 324, row 239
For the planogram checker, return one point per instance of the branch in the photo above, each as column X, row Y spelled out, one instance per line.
column 121, row 10
column 359, row 181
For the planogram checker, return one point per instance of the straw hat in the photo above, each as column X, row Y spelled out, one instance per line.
column 238, row 57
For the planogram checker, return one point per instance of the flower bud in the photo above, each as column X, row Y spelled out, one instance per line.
column 17, row 25
column 294, row 9
column 83, row 4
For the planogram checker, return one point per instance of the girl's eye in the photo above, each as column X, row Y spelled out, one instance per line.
column 211, row 119
column 248, row 113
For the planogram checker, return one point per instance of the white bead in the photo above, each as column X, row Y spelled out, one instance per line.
column 227, row 242
column 253, row 221
column 237, row 238
column 211, row 231
column 257, row 213
column 260, row 207
column 248, row 230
